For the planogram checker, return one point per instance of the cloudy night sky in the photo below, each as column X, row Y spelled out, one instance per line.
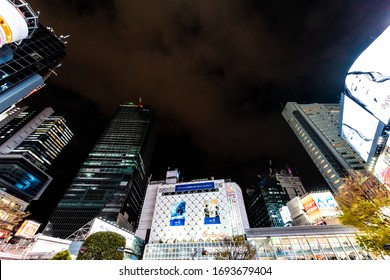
column 217, row 72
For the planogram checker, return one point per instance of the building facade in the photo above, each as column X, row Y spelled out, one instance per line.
column 38, row 135
column 265, row 202
column 331, row 242
column 29, row 52
column 112, row 181
column 317, row 128
column 180, row 220
column 291, row 184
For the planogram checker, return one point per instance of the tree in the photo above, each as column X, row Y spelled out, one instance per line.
column 103, row 246
column 63, row 255
column 365, row 203
column 236, row 248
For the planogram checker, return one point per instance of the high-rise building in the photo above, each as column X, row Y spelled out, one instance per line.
column 112, row 181
column 46, row 142
column 317, row 128
column 30, row 140
column 291, row 184
column 265, row 201
column 36, row 134
column 29, row 52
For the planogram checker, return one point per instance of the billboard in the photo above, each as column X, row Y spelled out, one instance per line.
column 178, row 212
column 320, row 205
column 368, row 79
column 285, row 214
column 359, row 128
column 28, row 228
column 382, row 167
column 211, row 212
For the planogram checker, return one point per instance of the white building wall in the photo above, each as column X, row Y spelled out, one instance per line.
column 192, row 225
column 145, row 222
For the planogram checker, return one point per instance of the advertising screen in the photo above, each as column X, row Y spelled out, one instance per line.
column 285, row 214
column 382, row 167
column 320, row 205
column 326, row 204
column 211, row 212
column 178, row 214
column 28, row 228
column 359, row 128
column 368, row 79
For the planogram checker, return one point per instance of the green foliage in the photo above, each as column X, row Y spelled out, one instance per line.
column 236, row 248
column 63, row 255
column 103, row 246
column 365, row 203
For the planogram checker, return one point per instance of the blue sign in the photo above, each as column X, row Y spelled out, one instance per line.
column 195, row 186
column 212, row 221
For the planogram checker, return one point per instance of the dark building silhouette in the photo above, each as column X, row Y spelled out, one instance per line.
column 264, row 202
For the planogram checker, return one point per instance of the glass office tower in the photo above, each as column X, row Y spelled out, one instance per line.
column 112, row 181
column 265, row 201
column 317, row 128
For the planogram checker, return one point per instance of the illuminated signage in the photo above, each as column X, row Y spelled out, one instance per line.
column 211, row 212
column 320, row 205
column 194, row 186
column 285, row 214
column 368, row 79
column 28, row 228
column 359, row 128
column 178, row 214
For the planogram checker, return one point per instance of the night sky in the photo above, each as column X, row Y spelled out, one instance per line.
column 217, row 72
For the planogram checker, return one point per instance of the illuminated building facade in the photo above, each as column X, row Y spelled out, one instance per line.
column 330, row 242
column 12, row 209
column 265, row 201
column 38, row 135
column 29, row 52
column 112, row 181
column 178, row 219
column 317, row 128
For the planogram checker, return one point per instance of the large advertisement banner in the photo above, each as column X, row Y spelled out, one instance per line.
column 358, row 128
column 28, row 228
column 311, row 208
column 368, row 79
column 326, row 204
column 211, row 212
column 178, row 214
column 320, row 205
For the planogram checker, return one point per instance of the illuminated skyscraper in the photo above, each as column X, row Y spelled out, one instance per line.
column 30, row 140
column 317, row 128
column 112, row 181
column 29, row 52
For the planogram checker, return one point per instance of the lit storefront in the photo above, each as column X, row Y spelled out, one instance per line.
column 333, row 242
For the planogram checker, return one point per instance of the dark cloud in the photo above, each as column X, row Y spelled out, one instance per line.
column 217, row 71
